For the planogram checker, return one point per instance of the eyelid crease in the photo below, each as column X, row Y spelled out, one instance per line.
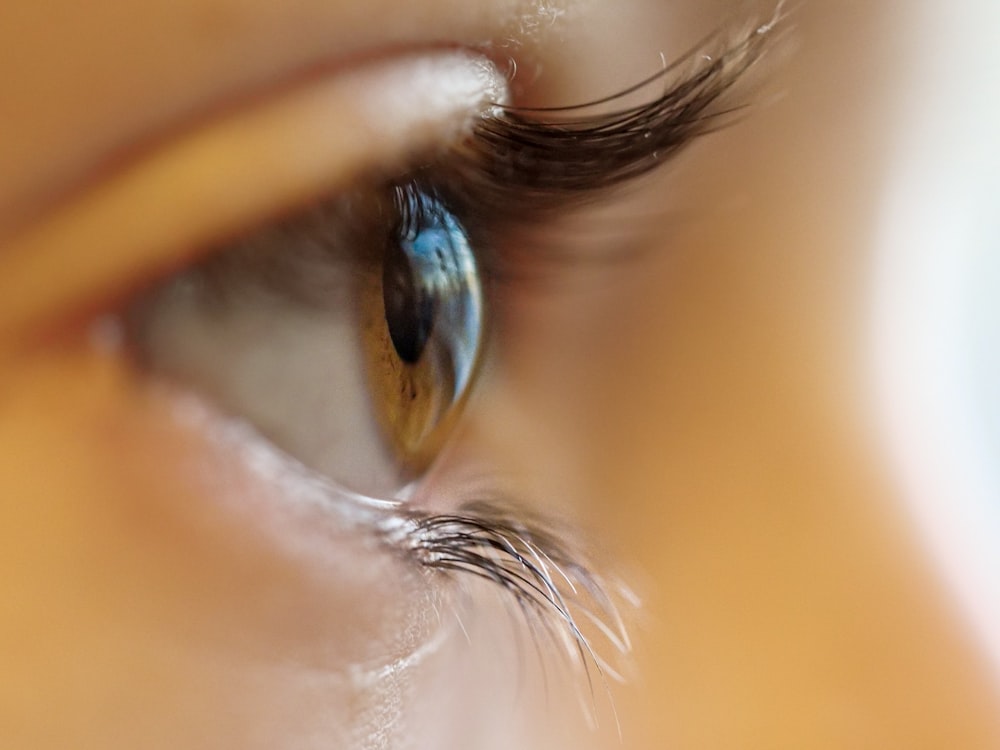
column 236, row 171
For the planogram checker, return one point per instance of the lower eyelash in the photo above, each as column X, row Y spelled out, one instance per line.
column 559, row 597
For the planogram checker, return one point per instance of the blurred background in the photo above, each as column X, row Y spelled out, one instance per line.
column 789, row 408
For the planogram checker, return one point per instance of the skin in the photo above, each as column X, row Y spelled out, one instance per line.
column 160, row 591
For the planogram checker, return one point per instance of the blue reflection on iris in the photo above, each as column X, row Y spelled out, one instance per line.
column 433, row 296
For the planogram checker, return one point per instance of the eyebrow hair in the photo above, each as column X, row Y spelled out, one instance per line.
column 539, row 158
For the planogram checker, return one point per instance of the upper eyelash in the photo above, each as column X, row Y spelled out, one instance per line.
column 519, row 163
column 513, row 169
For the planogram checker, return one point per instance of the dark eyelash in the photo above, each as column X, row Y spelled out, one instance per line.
column 514, row 169
column 521, row 163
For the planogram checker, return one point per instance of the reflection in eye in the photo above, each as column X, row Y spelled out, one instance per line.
column 349, row 334
column 424, row 341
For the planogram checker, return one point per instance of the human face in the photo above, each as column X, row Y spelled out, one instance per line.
column 167, row 588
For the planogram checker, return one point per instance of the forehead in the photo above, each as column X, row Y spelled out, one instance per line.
column 93, row 80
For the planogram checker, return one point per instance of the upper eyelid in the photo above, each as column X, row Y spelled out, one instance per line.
column 185, row 60
column 511, row 169
column 231, row 173
column 170, row 189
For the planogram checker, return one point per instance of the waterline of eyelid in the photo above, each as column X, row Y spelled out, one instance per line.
column 295, row 481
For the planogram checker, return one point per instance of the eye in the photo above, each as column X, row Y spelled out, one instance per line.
column 348, row 333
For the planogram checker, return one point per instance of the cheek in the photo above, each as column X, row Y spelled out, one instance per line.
column 164, row 589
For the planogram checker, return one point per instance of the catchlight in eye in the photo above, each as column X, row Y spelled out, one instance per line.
column 347, row 334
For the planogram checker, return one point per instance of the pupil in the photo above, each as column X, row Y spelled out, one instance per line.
column 409, row 304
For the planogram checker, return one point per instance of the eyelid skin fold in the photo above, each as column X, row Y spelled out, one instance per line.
column 244, row 167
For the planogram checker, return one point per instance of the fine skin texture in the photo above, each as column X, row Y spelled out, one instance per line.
column 700, row 406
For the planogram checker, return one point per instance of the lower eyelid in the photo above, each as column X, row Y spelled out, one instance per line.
column 162, row 212
column 208, row 523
